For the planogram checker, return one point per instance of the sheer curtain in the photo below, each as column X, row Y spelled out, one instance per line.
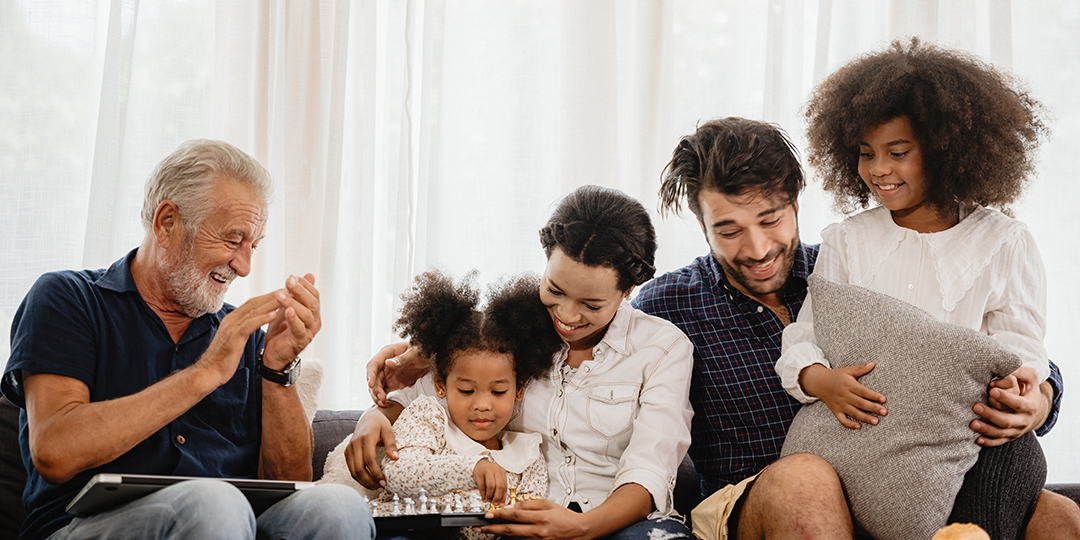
column 406, row 134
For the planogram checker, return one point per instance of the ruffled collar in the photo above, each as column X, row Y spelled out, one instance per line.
column 960, row 253
column 519, row 450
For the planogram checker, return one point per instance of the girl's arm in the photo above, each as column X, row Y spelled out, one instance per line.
column 423, row 464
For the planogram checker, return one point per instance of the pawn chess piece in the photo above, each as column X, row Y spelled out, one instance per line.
column 448, row 508
column 374, row 507
column 423, row 501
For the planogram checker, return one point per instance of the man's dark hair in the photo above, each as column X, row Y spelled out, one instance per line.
column 731, row 156
column 598, row 226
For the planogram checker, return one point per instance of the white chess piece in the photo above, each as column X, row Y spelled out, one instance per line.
column 396, row 510
column 410, row 509
column 423, row 501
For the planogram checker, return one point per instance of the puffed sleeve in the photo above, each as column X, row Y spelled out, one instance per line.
column 799, row 349
column 425, row 462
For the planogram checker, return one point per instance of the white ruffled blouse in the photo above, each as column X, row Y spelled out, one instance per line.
column 984, row 273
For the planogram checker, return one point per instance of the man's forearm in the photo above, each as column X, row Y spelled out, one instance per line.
column 286, row 446
column 70, row 434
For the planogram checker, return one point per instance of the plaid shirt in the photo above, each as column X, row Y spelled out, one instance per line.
column 741, row 413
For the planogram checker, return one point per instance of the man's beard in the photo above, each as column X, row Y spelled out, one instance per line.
column 190, row 289
column 770, row 286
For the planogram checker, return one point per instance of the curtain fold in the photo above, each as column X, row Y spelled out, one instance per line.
column 404, row 135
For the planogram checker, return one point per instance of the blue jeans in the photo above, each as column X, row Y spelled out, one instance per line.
column 208, row 509
column 654, row 529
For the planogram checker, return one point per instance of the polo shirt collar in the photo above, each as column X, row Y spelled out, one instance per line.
column 118, row 278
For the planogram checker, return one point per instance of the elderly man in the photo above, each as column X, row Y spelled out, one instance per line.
column 142, row 368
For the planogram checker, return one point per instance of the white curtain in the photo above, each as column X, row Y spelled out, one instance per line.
column 405, row 134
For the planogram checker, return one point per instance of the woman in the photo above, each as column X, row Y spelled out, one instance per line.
column 613, row 410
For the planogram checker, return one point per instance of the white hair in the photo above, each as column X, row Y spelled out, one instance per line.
column 186, row 177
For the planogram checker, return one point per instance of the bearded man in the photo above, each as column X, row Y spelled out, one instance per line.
column 142, row 368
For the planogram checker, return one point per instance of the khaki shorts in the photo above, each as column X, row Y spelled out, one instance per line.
column 710, row 518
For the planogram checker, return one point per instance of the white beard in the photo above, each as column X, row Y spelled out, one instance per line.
column 191, row 290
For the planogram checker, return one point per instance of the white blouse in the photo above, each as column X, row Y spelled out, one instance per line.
column 623, row 417
column 984, row 273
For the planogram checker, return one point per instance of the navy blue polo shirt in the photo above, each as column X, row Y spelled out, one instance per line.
column 95, row 327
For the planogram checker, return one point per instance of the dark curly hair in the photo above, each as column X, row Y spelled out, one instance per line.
column 731, row 156
column 599, row 226
column 976, row 128
column 442, row 320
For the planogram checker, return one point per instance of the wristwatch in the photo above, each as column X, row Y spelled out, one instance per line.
column 285, row 377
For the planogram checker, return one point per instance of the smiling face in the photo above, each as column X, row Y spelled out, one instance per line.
column 198, row 268
column 890, row 163
column 754, row 238
column 480, row 390
column 581, row 299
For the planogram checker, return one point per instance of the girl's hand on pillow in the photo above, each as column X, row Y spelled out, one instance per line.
column 850, row 401
column 491, row 479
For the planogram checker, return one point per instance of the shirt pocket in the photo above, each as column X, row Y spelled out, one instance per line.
column 610, row 409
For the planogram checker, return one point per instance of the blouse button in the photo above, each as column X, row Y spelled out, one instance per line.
column 569, row 459
column 910, row 286
column 180, row 439
column 569, row 491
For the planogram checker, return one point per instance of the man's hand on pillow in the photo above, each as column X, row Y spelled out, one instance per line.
column 1017, row 405
column 850, row 401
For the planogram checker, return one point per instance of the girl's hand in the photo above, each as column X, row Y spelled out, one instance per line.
column 491, row 479
column 850, row 401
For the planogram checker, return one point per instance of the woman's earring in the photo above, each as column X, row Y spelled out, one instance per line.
column 440, row 393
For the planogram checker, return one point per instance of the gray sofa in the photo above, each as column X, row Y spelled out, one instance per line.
column 328, row 428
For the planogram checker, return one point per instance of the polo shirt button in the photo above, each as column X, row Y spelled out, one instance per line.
column 180, row 439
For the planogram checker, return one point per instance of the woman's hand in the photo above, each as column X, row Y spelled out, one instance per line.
column 539, row 518
column 840, row 389
column 491, row 479
column 394, row 367
column 361, row 457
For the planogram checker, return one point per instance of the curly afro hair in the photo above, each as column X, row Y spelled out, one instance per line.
column 442, row 320
column 599, row 226
column 731, row 156
column 976, row 127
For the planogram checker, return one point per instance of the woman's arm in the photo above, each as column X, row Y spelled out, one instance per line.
column 628, row 504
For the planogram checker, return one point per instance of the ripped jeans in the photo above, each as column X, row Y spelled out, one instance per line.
column 654, row 529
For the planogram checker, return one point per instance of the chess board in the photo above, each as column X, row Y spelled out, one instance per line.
column 432, row 521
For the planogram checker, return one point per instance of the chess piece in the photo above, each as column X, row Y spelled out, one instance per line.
column 410, row 509
column 396, row 510
column 459, row 504
column 423, row 501
column 374, row 506
column 448, row 508
column 513, row 496
column 474, row 503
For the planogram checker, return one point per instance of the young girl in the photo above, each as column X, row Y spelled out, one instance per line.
column 482, row 361
column 936, row 137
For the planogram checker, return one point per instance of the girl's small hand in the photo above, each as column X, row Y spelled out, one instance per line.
column 491, row 479
column 850, row 401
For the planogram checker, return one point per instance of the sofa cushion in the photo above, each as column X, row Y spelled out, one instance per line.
column 329, row 428
column 902, row 475
column 12, row 472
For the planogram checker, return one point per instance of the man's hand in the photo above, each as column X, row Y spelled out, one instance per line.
column 491, row 480
column 223, row 355
column 839, row 388
column 361, row 457
column 1018, row 404
column 298, row 320
column 394, row 367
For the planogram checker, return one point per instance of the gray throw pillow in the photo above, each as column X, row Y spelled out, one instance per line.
column 902, row 475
